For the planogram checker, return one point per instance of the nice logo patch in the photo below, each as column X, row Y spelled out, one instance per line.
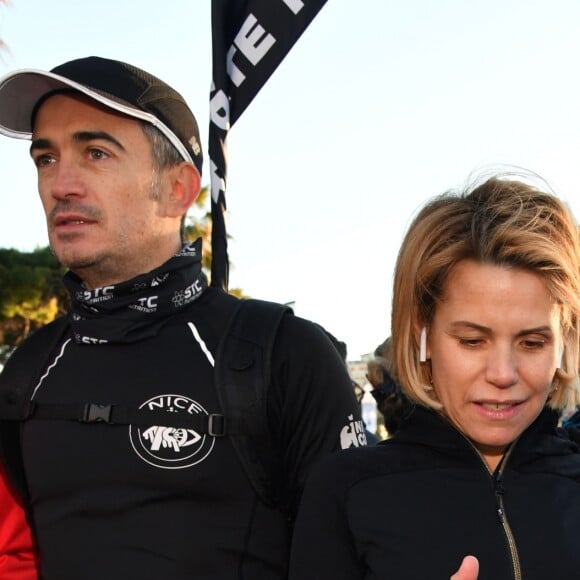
column 171, row 447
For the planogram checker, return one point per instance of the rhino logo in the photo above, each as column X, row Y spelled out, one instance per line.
column 171, row 447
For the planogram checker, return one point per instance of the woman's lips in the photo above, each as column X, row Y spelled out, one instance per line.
column 498, row 409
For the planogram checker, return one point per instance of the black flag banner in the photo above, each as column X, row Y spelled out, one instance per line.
column 250, row 38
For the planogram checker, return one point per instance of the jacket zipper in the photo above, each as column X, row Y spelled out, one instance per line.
column 498, row 488
column 497, row 478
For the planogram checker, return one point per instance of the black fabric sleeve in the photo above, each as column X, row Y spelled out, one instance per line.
column 322, row 545
column 311, row 403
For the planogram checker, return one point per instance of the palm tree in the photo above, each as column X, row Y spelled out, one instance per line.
column 198, row 225
column 2, row 43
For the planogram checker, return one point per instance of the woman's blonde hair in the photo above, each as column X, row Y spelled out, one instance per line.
column 501, row 221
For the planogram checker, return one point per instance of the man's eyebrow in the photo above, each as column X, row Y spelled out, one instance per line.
column 79, row 137
column 82, row 136
column 39, row 144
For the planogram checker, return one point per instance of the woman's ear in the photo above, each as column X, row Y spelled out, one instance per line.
column 185, row 185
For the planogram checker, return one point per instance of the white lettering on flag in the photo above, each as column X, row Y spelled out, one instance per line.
column 253, row 40
column 237, row 76
column 219, row 109
column 217, row 183
column 294, row 5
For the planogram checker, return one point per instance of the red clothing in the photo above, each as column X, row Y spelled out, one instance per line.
column 16, row 551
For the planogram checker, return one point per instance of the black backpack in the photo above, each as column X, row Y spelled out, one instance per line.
column 242, row 375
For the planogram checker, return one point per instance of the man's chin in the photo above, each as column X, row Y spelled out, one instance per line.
column 76, row 261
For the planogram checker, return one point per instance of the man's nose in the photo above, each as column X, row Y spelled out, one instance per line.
column 65, row 180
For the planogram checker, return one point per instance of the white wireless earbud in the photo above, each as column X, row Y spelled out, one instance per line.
column 560, row 356
column 423, row 345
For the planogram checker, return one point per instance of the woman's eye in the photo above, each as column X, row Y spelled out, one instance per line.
column 471, row 342
column 533, row 344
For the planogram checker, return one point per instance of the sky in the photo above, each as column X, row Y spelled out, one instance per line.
column 379, row 106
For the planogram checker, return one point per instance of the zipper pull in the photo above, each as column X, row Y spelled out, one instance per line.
column 498, row 488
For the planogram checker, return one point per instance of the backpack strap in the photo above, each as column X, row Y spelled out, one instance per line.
column 17, row 381
column 242, row 378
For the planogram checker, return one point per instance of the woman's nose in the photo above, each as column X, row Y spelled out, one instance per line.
column 502, row 367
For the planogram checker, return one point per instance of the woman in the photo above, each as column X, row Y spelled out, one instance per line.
column 16, row 553
column 485, row 330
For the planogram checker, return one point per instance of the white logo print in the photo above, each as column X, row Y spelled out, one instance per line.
column 159, row 280
column 187, row 295
column 170, row 437
column 171, row 447
column 97, row 295
column 353, row 434
column 147, row 304
column 188, row 250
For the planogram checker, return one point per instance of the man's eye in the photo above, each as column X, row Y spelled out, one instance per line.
column 43, row 160
column 97, row 154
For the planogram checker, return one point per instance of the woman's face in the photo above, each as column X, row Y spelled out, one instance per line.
column 494, row 347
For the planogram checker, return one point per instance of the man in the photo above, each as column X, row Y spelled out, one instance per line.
column 118, row 158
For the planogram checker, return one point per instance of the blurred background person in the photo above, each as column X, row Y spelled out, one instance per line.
column 391, row 402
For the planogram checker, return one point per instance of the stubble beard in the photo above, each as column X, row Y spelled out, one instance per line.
column 100, row 267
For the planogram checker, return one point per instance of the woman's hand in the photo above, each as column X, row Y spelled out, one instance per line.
column 468, row 570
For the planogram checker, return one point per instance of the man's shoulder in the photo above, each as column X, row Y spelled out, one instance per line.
column 57, row 326
column 25, row 366
column 217, row 304
column 305, row 338
column 295, row 337
column 39, row 342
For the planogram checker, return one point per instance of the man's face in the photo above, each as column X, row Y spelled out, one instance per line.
column 102, row 197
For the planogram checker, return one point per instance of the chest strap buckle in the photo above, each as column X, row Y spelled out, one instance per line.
column 96, row 413
column 216, row 425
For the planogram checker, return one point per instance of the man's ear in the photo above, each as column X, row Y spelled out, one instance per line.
column 185, row 185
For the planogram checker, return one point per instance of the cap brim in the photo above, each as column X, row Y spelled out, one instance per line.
column 21, row 90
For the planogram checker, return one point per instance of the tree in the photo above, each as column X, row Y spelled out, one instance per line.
column 31, row 294
column 198, row 225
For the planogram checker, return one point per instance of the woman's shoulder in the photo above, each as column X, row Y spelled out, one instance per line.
column 348, row 466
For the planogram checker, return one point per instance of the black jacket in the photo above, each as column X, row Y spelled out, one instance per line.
column 130, row 503
column 413, row 506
